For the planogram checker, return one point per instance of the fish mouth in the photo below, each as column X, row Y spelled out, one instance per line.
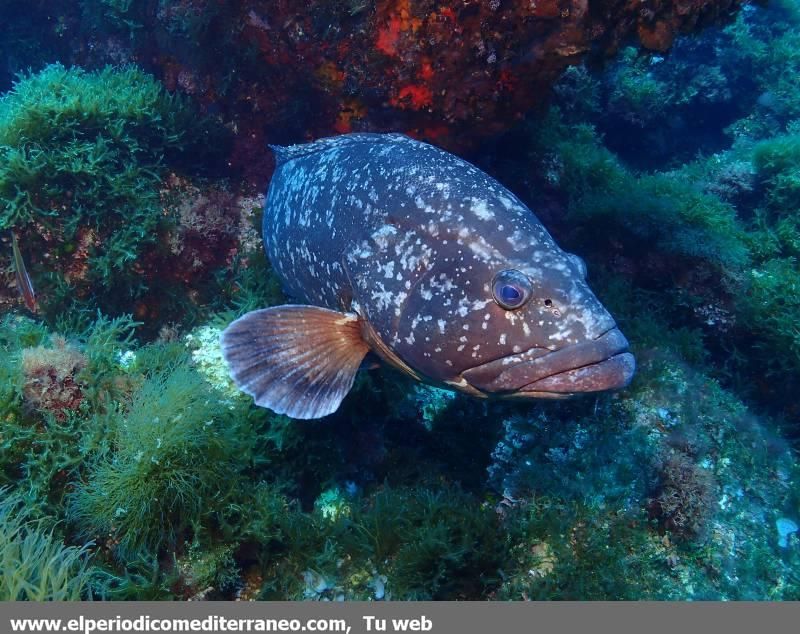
column 601, row 364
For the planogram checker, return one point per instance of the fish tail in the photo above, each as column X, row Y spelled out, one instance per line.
column 24, row 283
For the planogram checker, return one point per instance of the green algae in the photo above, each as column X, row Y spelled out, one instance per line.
column 661, row 212
column 776, row 161
column 36, row 565
column 772, row 308
column 174, row 449
column 83, row 157
column 167, row 468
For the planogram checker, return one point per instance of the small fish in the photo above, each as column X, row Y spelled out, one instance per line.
column 394, row 247
column 24, row 284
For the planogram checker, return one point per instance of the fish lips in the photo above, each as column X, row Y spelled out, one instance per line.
column 591, row 366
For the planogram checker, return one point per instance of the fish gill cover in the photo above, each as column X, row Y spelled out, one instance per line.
column 135, row 166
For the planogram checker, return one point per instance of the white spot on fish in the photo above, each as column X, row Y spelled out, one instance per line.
column 381, row 236
column 481, row 210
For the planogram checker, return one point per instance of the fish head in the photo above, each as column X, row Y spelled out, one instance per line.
column 490, row 319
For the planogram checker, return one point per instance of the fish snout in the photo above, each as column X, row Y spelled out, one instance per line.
column 599, row 364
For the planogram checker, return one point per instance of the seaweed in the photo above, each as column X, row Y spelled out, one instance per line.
column 430, row 544
column 36, row 565
column 776, row 161
column 83, row 158
column 175, row 460
column 573, row 551
column 684, row 498
column 661, row 212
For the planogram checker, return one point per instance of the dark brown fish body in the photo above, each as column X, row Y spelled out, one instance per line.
column 446, row 273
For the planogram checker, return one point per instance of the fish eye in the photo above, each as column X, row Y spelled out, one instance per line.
column 511, row 289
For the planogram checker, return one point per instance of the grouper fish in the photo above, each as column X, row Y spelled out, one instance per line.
column 395, row 248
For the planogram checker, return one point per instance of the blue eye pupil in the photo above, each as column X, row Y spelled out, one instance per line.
column 511, row 289
column 510, row 294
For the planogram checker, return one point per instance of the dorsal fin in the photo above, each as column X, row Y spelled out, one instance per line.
column 286, row 153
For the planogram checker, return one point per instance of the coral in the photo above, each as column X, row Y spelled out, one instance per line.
column 36, row 565
column 50, row 378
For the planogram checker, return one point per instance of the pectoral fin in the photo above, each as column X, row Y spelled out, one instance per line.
column 296, row 360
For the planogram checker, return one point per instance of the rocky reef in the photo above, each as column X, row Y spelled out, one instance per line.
column 449, row 72
column 133, row 467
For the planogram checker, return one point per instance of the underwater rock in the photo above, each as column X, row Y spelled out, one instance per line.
column 98, row 206
column 449, row 72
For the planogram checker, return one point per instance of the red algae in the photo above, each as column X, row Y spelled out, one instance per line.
column 413, row 96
